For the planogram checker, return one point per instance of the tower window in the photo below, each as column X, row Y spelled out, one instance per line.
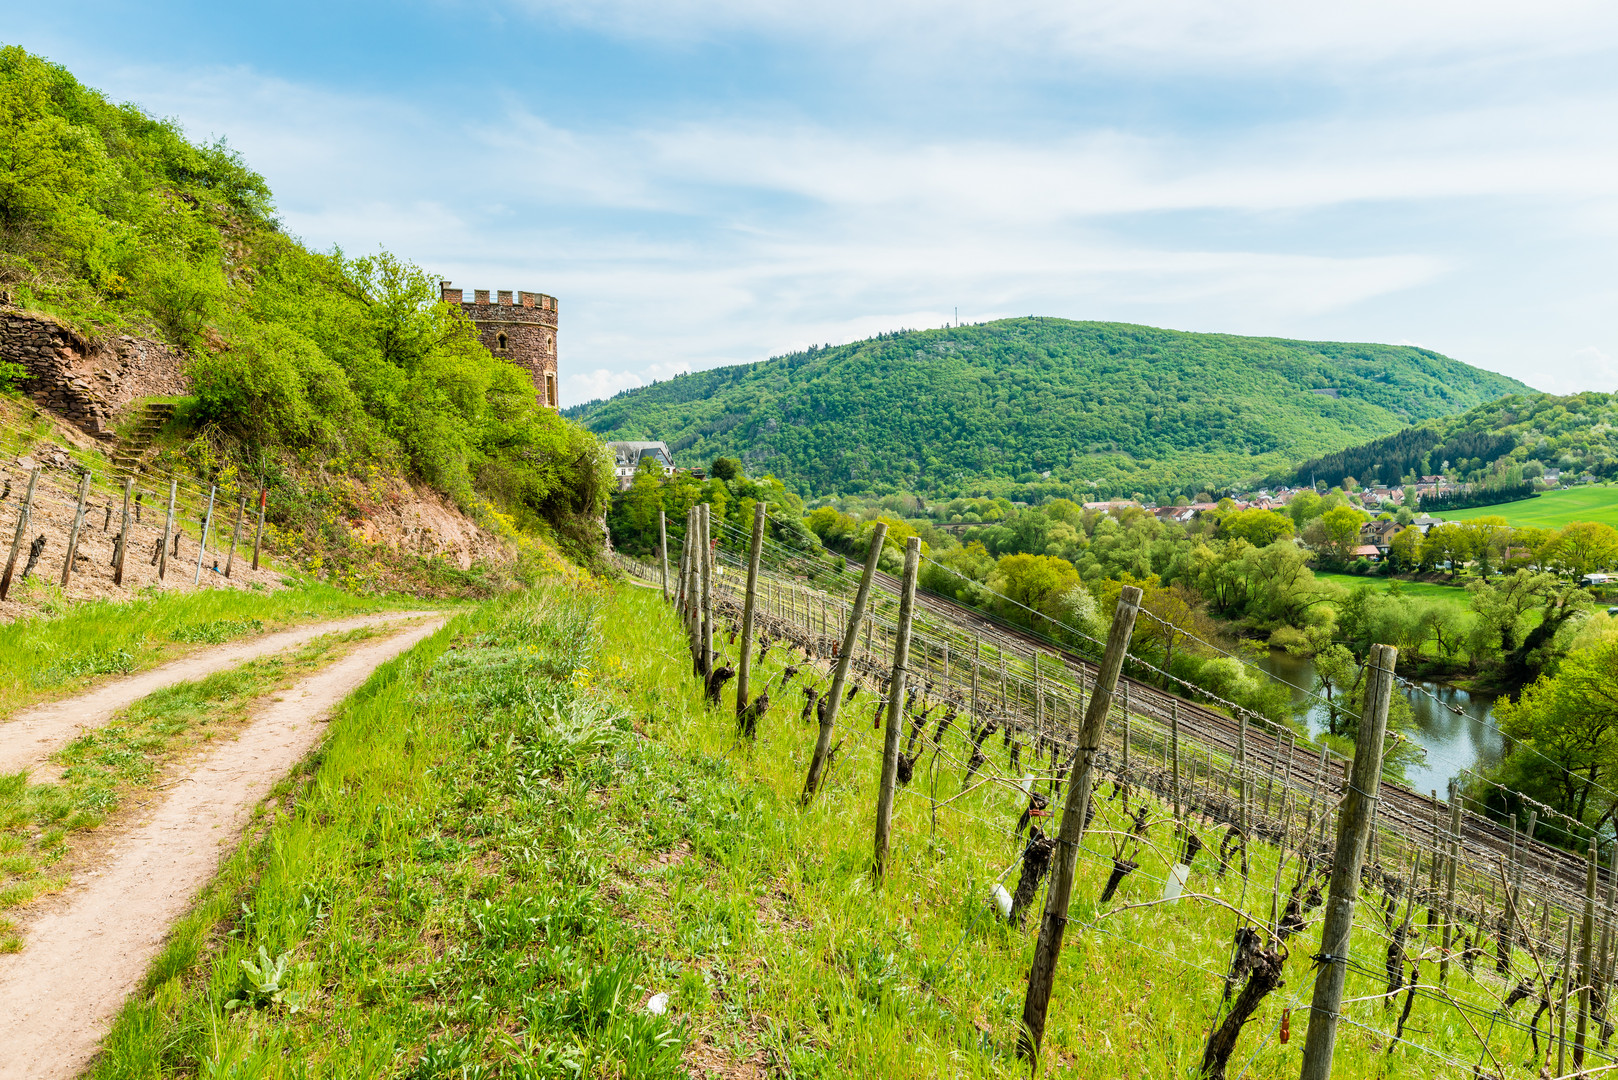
column 501, row 338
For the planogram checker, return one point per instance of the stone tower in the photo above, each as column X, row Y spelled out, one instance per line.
column 522, row 331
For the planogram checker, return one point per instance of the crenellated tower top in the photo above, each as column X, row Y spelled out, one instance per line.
column 515, row 326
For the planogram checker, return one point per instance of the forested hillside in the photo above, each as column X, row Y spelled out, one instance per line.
column 113, row 222
column 1102, row 407
column 1530, row 432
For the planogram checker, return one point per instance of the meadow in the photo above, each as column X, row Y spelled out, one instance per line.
column 1552, row 510
column 1450, row 595
column 524, row 829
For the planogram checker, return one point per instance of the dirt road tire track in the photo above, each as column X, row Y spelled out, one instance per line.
column 60, row 994
column 33, row 735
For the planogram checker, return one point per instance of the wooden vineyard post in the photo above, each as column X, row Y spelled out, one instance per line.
column 1053, row 924
column 977, row 662
column 679, row 577
column 693, row 541
column 1432, row 872
column 168, row 531
column 1606, row 933
column 1353, row 832
column 123, row 536
column 744, row 660
column 235, row 536
column 1586, row 967
column 1454, row 849
column 1124, row 698
column 845, row 658
column 1567, row 972
column 1241, row 771
column 258, row 534
column 207, row 524
column 23, row 514
column 705, row 560
column 73, row 534
column 1174, row 755
column 663, row 553
column 1039, row 701
column 896, row 694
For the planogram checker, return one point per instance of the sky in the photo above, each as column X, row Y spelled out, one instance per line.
column 714, row 183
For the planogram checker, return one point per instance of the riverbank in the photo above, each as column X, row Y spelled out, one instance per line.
column 1455, row 727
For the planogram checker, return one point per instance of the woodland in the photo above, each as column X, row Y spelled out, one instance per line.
column 1039, row 408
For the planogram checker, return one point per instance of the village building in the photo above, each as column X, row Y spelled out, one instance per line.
column 627, row 456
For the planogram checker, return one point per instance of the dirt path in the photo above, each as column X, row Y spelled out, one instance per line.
column 59, row 995
column 34, row 734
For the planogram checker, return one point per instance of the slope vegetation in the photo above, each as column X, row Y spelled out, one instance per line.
column 1103, row 407
column 347, row 373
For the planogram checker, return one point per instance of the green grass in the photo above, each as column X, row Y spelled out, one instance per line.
column 74, row 644
column 531, row 822
column 41, row 822
column 1453, row 596
column 1552, row 510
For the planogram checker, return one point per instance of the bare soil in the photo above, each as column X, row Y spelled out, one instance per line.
column 28, row 739
column 59, row 995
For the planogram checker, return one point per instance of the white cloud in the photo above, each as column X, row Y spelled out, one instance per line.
column 683, row 242
column 1588, row 369
column 1223, row 34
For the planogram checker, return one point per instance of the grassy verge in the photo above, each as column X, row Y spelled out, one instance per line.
column 74, row 644
column 521, row 830
column 42, row 825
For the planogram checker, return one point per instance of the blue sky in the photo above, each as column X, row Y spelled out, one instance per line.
column 714, row 183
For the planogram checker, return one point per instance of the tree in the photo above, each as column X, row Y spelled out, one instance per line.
column 1257, row 526
column 1564, row 732
column 1448, row 544
column 1303, row 508
column 1486, row 540
column 1585, row 547
column 641, row 504
column 1502, row 608
column 1336, row 673
column 1404, row 549
column 1342, row 531
column 724, row 468
column 1037, row 582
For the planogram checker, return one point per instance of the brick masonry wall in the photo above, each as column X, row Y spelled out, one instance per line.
column 529, row 326
column 84, row 382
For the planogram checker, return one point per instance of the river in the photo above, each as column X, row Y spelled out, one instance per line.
column 1453, row 742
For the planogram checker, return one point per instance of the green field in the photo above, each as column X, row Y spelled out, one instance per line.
column 1597, row 502
column 1417, row 590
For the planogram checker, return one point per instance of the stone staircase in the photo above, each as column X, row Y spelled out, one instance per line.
column 127, row 455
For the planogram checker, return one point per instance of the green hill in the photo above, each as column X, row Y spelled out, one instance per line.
column 1528, row 433
column 1104, row 407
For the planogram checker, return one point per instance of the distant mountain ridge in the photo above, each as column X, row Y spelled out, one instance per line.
column 1111, row 408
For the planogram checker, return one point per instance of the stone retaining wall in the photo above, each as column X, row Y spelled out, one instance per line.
column 86, row 383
